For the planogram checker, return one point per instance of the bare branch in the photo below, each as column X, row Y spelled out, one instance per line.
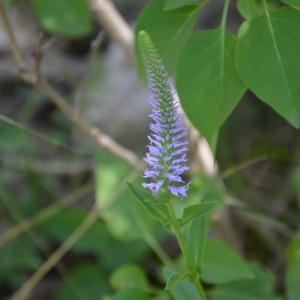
column 14, row 48
column 108, row 16
column 37, row 55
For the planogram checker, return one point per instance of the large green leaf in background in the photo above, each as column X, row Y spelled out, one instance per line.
column 247, row 8
column 63, row 17
column 259, row 288
column 88, row 283
column 292, row 278
column 268, row 58
column 171, row 4
column 292, row 2
column 293, row 271
column 208, row 83
column 128, row 276
column 110, row 251
column 222, row 265
column 167, row 29
column 132, row 293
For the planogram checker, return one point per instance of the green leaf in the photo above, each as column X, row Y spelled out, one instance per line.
column 196, row 242
column 63, row 224
column 293, row 249
column 292, row 2
column 259, row 288
column 176, row 278
column 222, row 265
column 292, row 279
column 247, row 8
column 125, row 218
column 157, row 210
column 11, row 138
column 141, row 194
column 167, row 29
column 297, row 185
column 18, row 257
column 185, row 290
column 68, row 17
column 129, row 276
column 89, row 281
column 132, row 294
column 110, row 251
column 196, row 211
column 208, row 83
column 268, row 58
column 171, row 4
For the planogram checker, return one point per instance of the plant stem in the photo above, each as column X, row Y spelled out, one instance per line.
column 185, row 252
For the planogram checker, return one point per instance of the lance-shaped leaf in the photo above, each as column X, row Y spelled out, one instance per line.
column 196, row 211
column 168, row 30
column 176, row 278
column 185, row 290
column 208, row 83
column 268, row 58
column 196, row 241
column 157, row 210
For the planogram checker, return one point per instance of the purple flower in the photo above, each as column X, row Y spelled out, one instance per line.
column 166, row 149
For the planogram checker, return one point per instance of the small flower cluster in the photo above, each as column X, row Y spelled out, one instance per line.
column 167, row 149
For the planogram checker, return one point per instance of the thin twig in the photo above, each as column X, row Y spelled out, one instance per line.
column 37, row 55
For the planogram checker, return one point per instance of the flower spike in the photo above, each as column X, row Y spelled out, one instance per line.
column 166, row 149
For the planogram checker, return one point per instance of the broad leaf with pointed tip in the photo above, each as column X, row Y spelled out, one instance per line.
column 208, row 83
column 268, row 58
column 222, row 265
column 260, row 287
column 167, row 29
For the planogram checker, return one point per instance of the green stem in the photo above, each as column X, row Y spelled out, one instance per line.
column 185, row 252
column 224, row 14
